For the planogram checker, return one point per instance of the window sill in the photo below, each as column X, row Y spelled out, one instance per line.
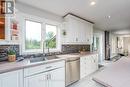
column 40, row 52
column 52, row 50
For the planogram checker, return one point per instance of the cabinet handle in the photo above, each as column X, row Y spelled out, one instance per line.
column 47, row 77
column 50, row 76
column 76, row 39
column 94, row 61
column 48, row 67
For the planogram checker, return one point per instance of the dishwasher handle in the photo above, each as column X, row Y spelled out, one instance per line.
column 72, row 60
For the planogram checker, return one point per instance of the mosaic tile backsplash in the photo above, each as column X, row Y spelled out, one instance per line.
column 4, row 49
column 65, row 49
column 74, row 48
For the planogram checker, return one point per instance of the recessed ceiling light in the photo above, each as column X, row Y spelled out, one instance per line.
column 109, row 16
column 92, row 3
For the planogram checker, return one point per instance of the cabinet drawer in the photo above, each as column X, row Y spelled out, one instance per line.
column 43, row 68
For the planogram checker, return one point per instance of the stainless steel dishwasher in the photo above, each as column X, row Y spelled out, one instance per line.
column 72, row 70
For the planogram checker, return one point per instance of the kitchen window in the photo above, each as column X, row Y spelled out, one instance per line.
column 33, row 35
column 51, row 36
column 38, row 32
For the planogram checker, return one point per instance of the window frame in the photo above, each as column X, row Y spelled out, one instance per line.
column 58, row 36
column 43, row 34
column 25, row 37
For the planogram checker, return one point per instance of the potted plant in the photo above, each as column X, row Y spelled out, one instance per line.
column 11, row 55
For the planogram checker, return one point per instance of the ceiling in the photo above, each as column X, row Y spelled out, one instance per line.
column 119, row 10
column 121, row 32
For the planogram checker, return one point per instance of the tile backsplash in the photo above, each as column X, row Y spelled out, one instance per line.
column 74, row 48
column 4, row 49
column 65, row 49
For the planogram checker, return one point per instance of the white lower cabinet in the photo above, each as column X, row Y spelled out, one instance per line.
column 12, row 79
column 46, row 75
column 50, row 75
column 39, row 80
column 54, row 78
column 88, row 65
column 57, row 78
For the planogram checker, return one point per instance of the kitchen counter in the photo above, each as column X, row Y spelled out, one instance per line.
column 11, row 66
column 77, row 54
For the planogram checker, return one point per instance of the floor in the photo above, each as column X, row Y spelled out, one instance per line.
column 87, row 81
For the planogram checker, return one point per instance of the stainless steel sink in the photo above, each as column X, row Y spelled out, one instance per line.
column 51, row 57
column 40, row 59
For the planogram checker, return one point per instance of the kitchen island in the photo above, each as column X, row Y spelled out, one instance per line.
column 116, row 74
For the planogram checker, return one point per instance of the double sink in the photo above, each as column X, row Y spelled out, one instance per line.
column 40, row 59
column 67, row 57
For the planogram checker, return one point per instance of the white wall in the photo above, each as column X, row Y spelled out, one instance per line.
column 121, row 32
column 113, row 45
column 23, row 8
column 37, row 12
column 102, row 43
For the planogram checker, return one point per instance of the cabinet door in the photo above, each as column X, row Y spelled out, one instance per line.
column 12, row 79
column 89, row 33
column 72, row 27
column 82, row 67
column 74, row 34
column 69, row 37
column 88, row 65
column 2, row 28
column 95, row 57
column 57, row 78
column 39, row 80
column 94, row 63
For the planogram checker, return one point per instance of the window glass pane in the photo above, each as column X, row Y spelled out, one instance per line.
column 51, row 32
column 33, row 35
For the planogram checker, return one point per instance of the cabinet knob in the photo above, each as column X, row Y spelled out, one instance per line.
column 94, row 61
column 76, row 39
column 49, row 76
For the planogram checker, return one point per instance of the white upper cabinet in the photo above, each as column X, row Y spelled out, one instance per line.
column 77, row 31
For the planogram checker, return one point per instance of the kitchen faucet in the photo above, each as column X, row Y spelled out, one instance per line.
column 47, row 43
column 44, row 42
column 43, row 48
